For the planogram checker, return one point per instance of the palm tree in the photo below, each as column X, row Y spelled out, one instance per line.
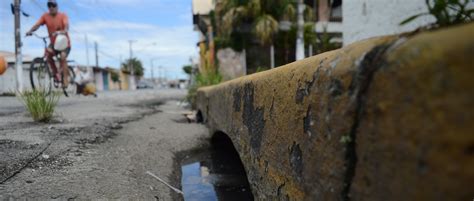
column 262, row 13
column 310, row 36
column 232, row 14
column 264, row 28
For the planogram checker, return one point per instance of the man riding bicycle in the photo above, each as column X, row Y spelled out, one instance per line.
column 57, row 24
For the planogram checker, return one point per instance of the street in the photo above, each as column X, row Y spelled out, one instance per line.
column 97, row 147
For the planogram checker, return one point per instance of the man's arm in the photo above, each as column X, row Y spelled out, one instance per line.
column 66, row 23
column 36, row 26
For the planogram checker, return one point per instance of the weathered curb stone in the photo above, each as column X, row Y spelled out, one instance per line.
column 383, row 119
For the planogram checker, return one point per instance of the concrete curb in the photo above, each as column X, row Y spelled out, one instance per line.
column 383, row 119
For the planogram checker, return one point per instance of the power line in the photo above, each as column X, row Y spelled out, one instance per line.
column 39, row 6
column 109, row 56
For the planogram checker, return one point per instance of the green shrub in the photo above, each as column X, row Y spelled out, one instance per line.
column 446, row 12
column 202, row 80
column 40, row 104
column 207, row 79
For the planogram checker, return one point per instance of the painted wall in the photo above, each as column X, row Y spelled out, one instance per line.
column 113, row 85
column 363, row 19
column 99, row 83
column 124, row 79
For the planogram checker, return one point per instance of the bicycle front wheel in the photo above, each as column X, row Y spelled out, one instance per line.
column 40, row 76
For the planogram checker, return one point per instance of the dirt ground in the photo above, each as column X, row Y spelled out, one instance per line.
column 97, row 148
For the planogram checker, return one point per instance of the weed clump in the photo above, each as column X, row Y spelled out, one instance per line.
column 40, row 104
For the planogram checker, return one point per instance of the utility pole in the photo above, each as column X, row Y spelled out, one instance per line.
column 121, row 61
column 96, row 47
column 300, row 35
column 131, row 67
column 160, row 74
column 18, row 56
column 152, row 76
column 87, row 51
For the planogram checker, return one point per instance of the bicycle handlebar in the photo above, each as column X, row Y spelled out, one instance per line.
column 46, row 37
column 40, row 37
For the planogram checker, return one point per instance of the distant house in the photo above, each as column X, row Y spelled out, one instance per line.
column 113, row 85
column 329, row 19
column 124, row 79
column 101, row 79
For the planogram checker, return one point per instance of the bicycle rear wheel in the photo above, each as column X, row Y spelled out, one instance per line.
column 71, row 89
column 40, row 76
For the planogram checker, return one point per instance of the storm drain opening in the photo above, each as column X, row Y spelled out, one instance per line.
column 215, row 173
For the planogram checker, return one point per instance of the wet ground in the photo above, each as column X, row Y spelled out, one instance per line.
column 214, row 173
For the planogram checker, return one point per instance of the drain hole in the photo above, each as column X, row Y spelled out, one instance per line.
column 199, row 118
column 215, row 173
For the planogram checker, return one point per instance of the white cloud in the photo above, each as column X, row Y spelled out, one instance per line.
column 88, row 26
column 172, row 46
column 135, row 3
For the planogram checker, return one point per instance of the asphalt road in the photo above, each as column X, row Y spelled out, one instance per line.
column 97, row 148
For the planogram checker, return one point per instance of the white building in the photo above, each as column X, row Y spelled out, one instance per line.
column 368, row 18
column 361, row 19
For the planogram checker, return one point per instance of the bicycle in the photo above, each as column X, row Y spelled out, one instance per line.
column 41, row 73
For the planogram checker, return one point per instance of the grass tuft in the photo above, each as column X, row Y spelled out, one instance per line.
column 40, row 104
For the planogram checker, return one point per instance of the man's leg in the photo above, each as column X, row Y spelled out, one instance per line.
column 51, row 63
column 65, row 69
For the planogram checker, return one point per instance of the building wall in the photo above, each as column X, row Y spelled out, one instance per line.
column 124, row 79
column 231, row 63
column 363, row 19
column 99, row 83
column 8, row 79
column 113, row 85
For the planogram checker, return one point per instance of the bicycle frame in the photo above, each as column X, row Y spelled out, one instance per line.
column 45, row 42
column 51, row 70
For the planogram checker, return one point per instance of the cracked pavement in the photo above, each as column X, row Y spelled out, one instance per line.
column 97, row 148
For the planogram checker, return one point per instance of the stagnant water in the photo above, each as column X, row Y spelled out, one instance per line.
column 215, row 173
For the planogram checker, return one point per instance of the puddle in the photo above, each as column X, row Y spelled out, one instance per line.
column 215, row 173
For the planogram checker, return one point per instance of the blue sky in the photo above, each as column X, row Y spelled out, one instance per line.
column 162, row 29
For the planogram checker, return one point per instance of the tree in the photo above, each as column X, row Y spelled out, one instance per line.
column 446, row 12
column 188, row 69
column 261, row 15
column 265, row 27
column 114, row 76
column 137, row 66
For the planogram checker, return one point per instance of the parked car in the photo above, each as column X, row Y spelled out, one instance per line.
column 145, row 85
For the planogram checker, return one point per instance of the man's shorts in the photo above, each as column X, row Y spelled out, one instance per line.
column 56, row 53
